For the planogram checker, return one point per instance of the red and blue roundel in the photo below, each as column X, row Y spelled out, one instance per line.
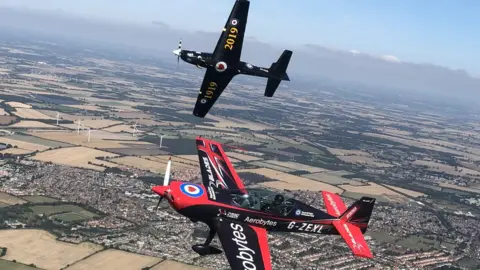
column 191, row 190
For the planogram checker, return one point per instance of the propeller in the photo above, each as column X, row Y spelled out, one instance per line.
column 166, row 180
column 178, row 51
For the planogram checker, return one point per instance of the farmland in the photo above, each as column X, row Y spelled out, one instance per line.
column 65, row 212
column 114, row 259
column 30, row 114
column 7, row 265
column 43, row 250
column 76, row 157
column 10, row 199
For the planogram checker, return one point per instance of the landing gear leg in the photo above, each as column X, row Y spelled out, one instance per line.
column 206, row 249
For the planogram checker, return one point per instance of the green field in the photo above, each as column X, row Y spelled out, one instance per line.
column 72, row 217
column 8, row 265
column 40, row 141
column 67, row 212
column 38, row 199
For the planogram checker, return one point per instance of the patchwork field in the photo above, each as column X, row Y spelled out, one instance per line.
column 32, row 124
column 344, row 152
column 64, row 208
column 328, row 178
column 100, row 123
column 22, row 144
column 440, row 167
column 263, row 164
column 3, row 112
column 10, row 199
column 446, row 185
column 120, row 128
column 188, row 163
column 15, row 151
column 294, row 166
column 292, row 182
column 30, row 114
column 242, row 157
column 98, row 139
column 38, row 199
column 233, row 122
column 371, row 189
column 76, row 157
column 406, row 191
column 18, row 105
column 167, row 265
column 43, row 250
column 112, row 259
column 155, row 164
column 6, row 120
column 364, row 160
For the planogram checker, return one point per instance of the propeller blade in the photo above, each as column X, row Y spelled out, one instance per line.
column 158, row 204
column 166, row 179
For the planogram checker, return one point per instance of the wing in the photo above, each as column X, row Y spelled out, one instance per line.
column 229, row 45
column 212, row 87
column 218, row 173
column 245, row 246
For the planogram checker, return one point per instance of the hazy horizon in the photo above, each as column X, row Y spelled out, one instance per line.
column 308, row 61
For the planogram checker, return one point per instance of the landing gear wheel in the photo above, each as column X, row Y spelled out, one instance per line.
column 203, row 250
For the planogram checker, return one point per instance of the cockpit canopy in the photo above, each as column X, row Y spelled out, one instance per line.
column 262, row 200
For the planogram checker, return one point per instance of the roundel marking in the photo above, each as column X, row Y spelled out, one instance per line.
column 234, row 22
column 298, row 212
column 203, row 101
column 191, row 190
column 221, row 66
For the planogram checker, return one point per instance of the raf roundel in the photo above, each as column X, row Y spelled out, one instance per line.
column 191, row 190
column 298, row 212
column 234, row 22
column 221, row 66
column 203, row 101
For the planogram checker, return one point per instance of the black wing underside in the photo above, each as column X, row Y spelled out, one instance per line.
column 245, row 246
column 230, row 43
column 212, row 87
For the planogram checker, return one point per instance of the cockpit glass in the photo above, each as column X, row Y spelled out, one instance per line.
column 262, row 200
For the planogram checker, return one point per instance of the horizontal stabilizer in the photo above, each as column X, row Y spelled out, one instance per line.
column 354, row 238
column 278, row 73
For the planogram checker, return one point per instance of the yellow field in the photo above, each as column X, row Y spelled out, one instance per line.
column 112, row 259
column 233, row 122
column 23, row 145
column 18, row 104
column 32, row 124
column 100, row 123
column 96, row 138
column 10, row 199
column 40, row 248
column 407, row 191
column 172, row 265
column 140, row 163
column 242, row 157
column 474, row 190
column 16, row 151
column 292, row 182
column 296, row 166
column 371, row 188
column 30, row 114
column 75, row 156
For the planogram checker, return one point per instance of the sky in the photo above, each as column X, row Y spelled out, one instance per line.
column 443, row 32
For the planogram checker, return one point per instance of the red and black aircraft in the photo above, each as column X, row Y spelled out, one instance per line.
column 242, row 216
column 224, row 63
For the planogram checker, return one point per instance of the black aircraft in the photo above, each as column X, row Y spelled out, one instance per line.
column 224, row 63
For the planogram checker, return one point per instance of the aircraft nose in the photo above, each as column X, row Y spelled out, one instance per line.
column 177, row 52
column 160, row 190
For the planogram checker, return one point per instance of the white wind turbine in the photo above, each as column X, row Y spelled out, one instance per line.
column 78, row 126
column 58, row 117
column 135, row 130
column 161, row 140
column 89, row 134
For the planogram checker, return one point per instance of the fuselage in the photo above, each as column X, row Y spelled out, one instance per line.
column 191, row 201
column 206, row 60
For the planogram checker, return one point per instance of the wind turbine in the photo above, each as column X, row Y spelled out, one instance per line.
column 161, row 140
column 89, row 133
column 58, row 117
column 78, row 126
column 135, row 130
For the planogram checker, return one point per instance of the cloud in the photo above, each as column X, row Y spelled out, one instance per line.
column 354, row 51
column 390, row 58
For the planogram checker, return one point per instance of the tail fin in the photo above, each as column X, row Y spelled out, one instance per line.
column 352, row 222
column 278, row 72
